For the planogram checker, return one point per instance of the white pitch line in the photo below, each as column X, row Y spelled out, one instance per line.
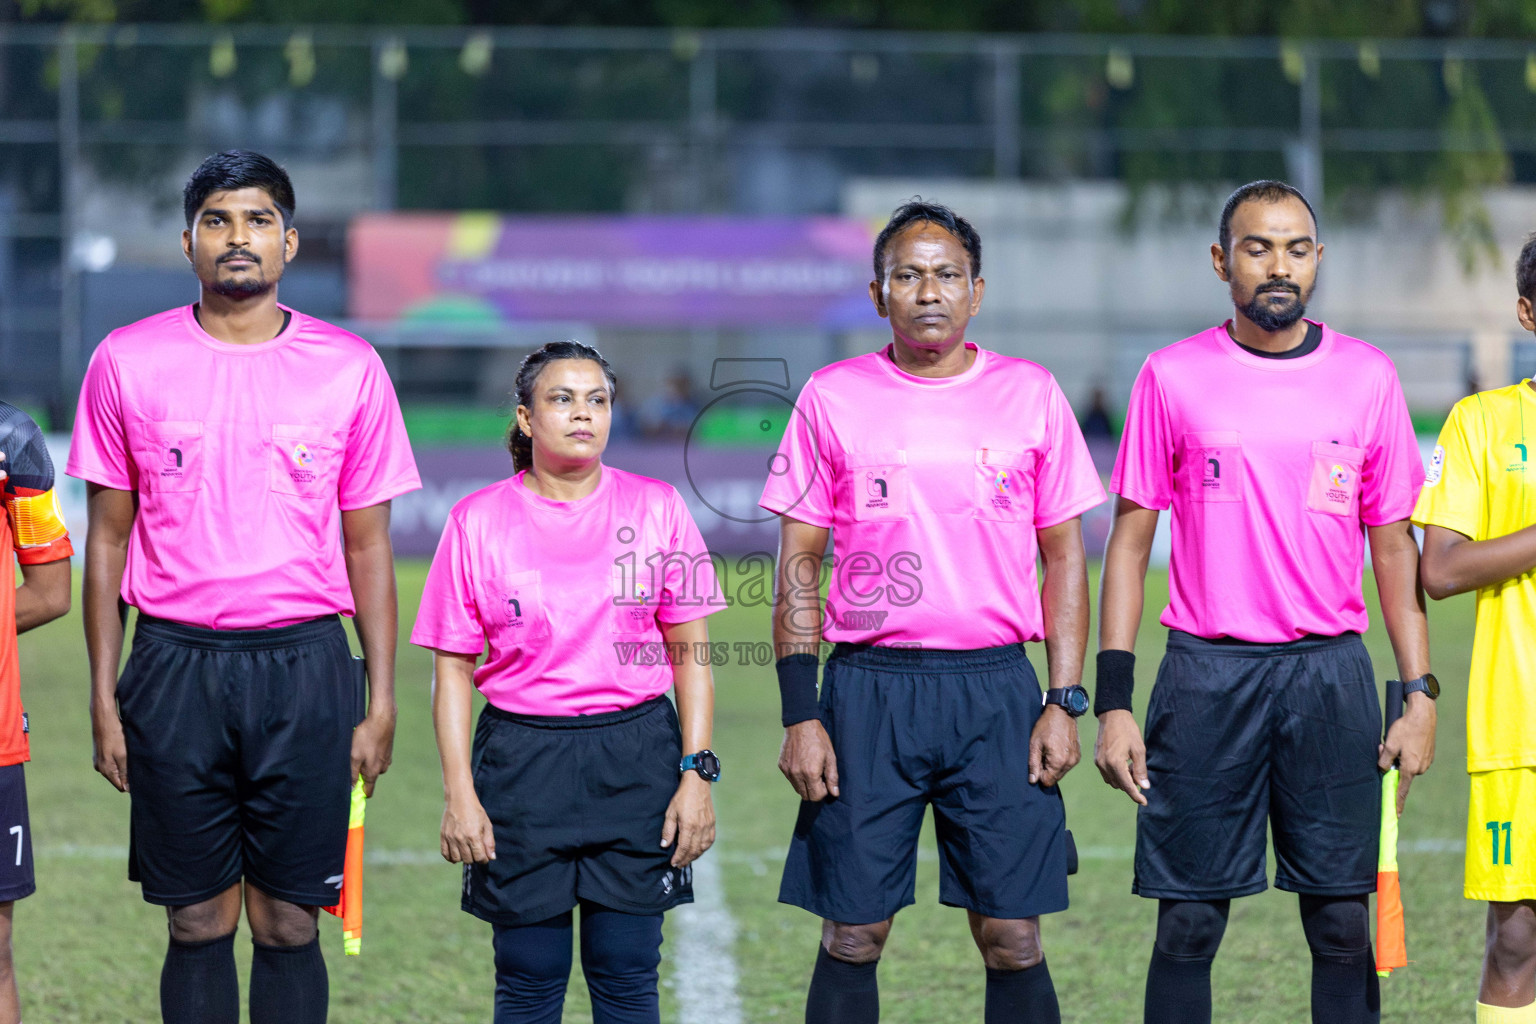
column 704, row 969
column 761, row 862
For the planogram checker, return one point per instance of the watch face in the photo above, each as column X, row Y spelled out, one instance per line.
column 709, row 765
column 1077, row 701
column 1431, row 685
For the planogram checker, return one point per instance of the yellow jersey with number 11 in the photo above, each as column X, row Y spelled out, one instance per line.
column 1482, row 484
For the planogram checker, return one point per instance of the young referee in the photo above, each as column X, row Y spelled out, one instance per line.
column 240, row 459
column 943, row 470
column 1480, row 534
column 33, row 533
column 1279, row 445
column 583, row 785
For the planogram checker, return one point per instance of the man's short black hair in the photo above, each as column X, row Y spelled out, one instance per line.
column 1525, row 270
column 1266, row 191
column 234, row 169
column 933, row 213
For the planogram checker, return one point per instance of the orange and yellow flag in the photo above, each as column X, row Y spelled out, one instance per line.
column 1391, row 936
column 349, row 906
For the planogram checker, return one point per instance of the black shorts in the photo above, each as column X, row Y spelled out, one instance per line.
column 577, row 806
column 916, row 727
column 16, row 878
column 1240, row 734
column 239, row 758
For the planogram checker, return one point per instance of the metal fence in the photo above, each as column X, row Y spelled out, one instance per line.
column 758, row 122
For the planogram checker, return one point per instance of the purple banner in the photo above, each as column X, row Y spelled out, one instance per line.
column 684, row 272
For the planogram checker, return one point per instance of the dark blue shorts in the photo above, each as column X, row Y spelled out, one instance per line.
column 1243, row 734
column 239, row 758
column 917, row 727
column 577, row 804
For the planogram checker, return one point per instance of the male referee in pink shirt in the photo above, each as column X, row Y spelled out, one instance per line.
column 240, row 460
column 1279, row 445
column 943, row 470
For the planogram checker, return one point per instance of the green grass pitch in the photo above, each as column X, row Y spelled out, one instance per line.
column 88, row 949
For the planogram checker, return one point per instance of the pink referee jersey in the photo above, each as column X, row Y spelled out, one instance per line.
column 933, row 489
column 1273, row 468
column 242, row 457
column 568, row 595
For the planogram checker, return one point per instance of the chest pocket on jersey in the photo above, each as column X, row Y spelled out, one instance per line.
column 169, row 455
column 512, row 608
column 877, row 485
column 305, row 460
column 1334, row 488
column 1004, row 486
column 633, row 598
column 1212, row 468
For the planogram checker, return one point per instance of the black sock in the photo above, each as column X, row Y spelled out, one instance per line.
column 289, row 984
column 1022, row 997
column 1346, row 989
column 1179, row 979
column 1178, row 990
column 198, row 984
column 842, row 993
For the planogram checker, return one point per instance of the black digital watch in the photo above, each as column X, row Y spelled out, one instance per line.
column 1426, row 683
column 704, row 762
column 1071, row 699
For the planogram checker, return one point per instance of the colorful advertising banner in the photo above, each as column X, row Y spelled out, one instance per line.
column 647, row 272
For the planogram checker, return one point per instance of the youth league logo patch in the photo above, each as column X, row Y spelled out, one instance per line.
column 1436, row 466
column 300, row 472
column 1335, row 486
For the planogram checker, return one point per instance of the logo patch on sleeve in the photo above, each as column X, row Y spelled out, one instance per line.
column 1436, row 466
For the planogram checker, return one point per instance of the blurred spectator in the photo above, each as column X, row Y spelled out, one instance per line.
column 1096, row 421
column 671, row 413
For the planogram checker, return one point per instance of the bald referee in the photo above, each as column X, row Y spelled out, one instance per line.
column 1279, row 445
column 943, row 471
column 240, row 460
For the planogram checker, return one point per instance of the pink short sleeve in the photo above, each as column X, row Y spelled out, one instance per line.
column 800, row 475
column 447, row 618
column 1394, row 470
column 690, row 587
column 1144, row 467
column 98, row 451
column 379, row 464
column 1066, row 484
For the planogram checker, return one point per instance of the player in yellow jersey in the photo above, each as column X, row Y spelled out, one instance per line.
column 1478, row 510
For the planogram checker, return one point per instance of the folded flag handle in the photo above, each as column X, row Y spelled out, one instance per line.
column 349, row 906
column 1391, row 936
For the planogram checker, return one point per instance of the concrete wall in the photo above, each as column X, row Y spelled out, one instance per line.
column 1070, row 286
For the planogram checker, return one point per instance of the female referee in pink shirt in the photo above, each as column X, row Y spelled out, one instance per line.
column 590, row 585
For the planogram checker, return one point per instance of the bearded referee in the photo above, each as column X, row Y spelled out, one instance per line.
column 240, row 460
column 943, row 470
column 1279, row 445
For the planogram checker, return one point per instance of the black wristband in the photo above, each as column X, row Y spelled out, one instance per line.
column 1117, row 678
column 797, row 688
